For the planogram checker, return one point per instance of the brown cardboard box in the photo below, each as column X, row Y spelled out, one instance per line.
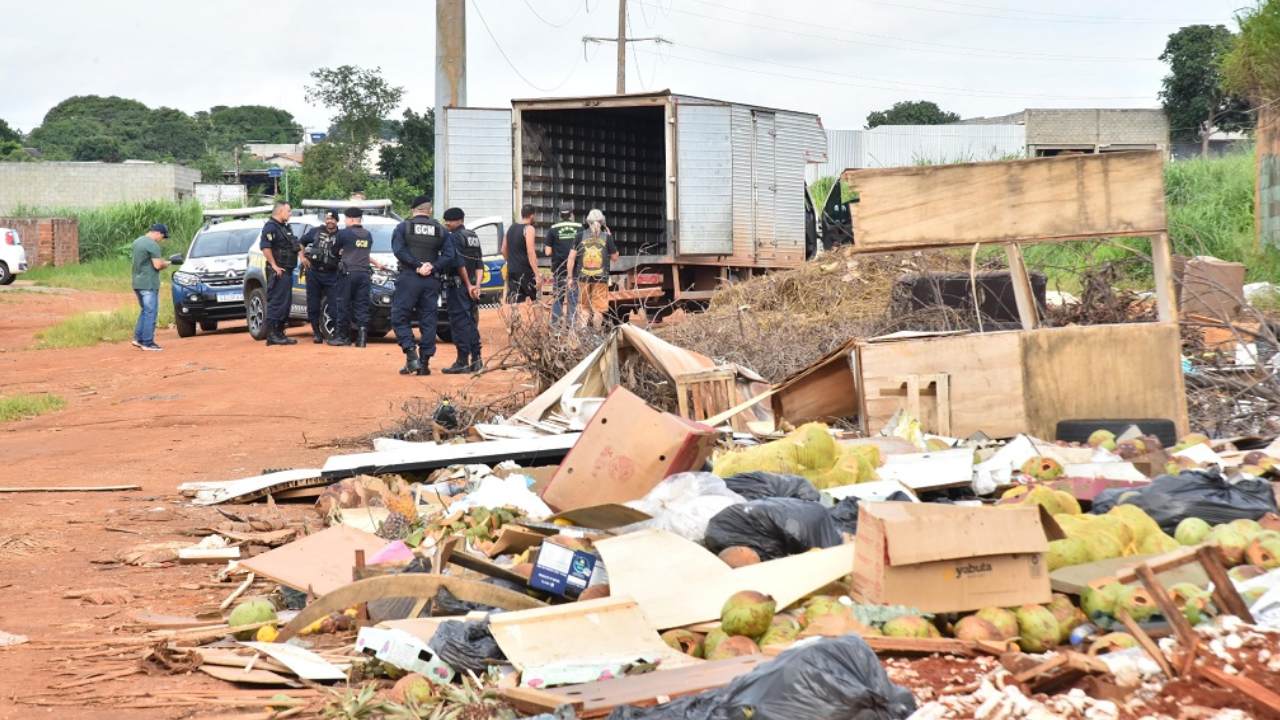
column 947, row 558
column 1208, row 286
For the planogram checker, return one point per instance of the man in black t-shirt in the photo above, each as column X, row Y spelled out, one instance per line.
column 354, row 246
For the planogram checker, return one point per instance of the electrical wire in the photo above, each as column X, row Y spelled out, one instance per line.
column 921, row 45
column 634, row 56
column 547, row 22
column 1071, row 17
column 514, row 69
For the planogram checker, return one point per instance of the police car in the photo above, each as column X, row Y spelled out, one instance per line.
column 381, row 222
column 208, row 288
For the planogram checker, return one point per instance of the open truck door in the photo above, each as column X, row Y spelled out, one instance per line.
column 478, row 162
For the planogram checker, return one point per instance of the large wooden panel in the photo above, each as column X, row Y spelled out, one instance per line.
column 984, row 378
column 1016, row 201
column 1103, row 371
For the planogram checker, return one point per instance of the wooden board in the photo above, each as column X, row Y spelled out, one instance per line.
column 678, row 582
column 602, row 517
column 251, row 488
column 1132, row 370
column 318, row 563
column 1072, row 580
column 1076, row 196
column 251, row 677
column 607, row 629
column 823, row 391
column 599, row 698
column 431, row 456
column 626, row 449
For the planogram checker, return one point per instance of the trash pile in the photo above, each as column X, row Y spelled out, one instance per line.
column 594, row 556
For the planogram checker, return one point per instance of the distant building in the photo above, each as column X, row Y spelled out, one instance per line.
column 1051, row 131
column 905, row 145
column 92, row 184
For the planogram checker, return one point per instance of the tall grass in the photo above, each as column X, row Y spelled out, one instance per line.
column 28, row 405
column 107, row 232
column 90, row 328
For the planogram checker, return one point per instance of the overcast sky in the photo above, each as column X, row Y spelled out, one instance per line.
column 839, row 58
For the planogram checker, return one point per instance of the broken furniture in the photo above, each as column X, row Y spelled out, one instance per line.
column 1004, row 383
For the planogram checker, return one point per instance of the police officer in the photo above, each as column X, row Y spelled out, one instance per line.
column 421, row 246
column 320, row 260
column 463, row 288
column 280, row 249
column 354, row 244
column 560, row 241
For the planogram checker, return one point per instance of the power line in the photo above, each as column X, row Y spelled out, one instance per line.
column 886, row 85
column 922, row 45
column 1064, row 19
column 547, row 22
column 514, row 69
column 1093, row 18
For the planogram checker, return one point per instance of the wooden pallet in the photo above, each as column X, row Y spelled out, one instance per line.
column 703, row 394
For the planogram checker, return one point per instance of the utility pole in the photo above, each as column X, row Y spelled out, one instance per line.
column 451, row 81
column 622, row 41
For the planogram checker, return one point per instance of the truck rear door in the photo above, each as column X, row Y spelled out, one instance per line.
column 478, row 166
column 704, row 180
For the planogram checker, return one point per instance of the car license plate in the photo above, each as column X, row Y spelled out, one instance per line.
column 231, row 297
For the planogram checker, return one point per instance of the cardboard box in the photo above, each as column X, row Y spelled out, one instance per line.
column 563, row 571
column 1209, row 286
column 946, row 558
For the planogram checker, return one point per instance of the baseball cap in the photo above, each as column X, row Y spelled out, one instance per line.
column 160, row 228
column 330, row 214
column 565, row 210
column 453, row 213
column 420, row 201
column 353, row 212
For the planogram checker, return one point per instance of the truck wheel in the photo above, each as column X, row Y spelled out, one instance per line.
column 6, row 277
column 208, row 325
column 327, row 323
column 256, row 313
column 186, row 328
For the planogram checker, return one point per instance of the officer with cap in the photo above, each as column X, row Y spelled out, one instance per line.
column 354, row 244
column 421, row 246
column 463, row 291
column 320, row 261
column 280, row 249
column 561, row 238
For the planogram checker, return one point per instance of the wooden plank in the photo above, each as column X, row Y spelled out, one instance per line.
column 607, row 629
column 1039, row 199
column 408, row 585
column 70, row 488
column 208, row 555
column 536, row 702
column 1022, row 293
column 430, row 456
column 824, row 390
column 1210, row 559
column 1181, row 627
column 600, row 698
column 1062, row 367
column 1162, row 266
column 1236, row 683
column 1147, row 643
column 318, row 563
column 1073, row 579
column 237, row 592
column 248, row 677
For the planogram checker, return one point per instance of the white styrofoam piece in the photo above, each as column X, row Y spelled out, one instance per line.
column 921, row 471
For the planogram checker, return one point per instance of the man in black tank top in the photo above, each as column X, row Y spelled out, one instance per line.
column 519, row 250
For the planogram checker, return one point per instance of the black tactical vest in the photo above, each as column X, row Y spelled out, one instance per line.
column 321, row 252
column 424, row 237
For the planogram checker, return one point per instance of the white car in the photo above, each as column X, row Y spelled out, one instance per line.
column 13, row 257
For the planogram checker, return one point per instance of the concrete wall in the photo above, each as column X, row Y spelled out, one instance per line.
column 907, row 145
column 1096, row 128
column 86, row 185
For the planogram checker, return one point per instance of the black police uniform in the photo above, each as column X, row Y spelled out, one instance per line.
column 279, row 238
column 420, row 239
column 462, row 315
column 354, row 245
column 320, row 248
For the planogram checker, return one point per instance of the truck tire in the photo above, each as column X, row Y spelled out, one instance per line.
column 1080, row 430
column 255, row 313
column 186, row 328
column 208, row 325
column 6, row 277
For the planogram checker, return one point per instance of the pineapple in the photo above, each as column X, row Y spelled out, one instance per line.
column 395, row 527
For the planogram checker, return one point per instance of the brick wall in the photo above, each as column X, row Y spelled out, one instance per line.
column 87, row 185
column 48, row 241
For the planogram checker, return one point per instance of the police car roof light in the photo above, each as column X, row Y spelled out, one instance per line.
column 343, row 204
column 244, row 212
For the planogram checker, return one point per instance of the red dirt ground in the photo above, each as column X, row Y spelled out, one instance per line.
column 212, row 407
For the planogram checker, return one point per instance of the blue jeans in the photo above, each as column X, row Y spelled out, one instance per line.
column 145, row 331
column 566, row 295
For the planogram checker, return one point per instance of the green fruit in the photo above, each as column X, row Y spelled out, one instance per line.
column 1067, row 503
column 1037, row 628
column 1004, row 621
column 1192, row 531
column 1248, row 528
column 1042, row 468
column 1192, row 600
column 1157, row 543
column 972, row 627
column 734, row 646
column 1065, row 613
column 1240, row 573
column 1231, row 541
column 1102, row 438
column 1137, row 602
column 1068, row 552
column 783, row 630
column 686, row 641
column 251, row 612
column 820, row 606
column 1102, row 546
column 1264, row 551
column 747, row 613
column 1112, row 641
column 910, row 626
column 1139, row 522
column 712, row 641
column 1100, row 602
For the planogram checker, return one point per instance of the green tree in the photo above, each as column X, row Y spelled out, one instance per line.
column 912, row 112
column 360, row 98
column 87, row 116
column 1252, row 65
column 229, row 127
column 1192, row 92
column 326, row 174
column 412, row 159
column 171, row 134
column 98, row 148
column 8, row 134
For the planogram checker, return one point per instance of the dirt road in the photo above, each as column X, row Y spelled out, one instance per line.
column 211, row 407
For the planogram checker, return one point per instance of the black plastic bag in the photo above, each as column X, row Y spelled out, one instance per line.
column 845, row 512
column 759, row 485
column 466, row 645
column 1205, row 494
column 774, row 528
column 446, row 603
column 829, row 679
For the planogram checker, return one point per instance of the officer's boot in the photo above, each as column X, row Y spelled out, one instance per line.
column 411, row 363
column 459, row 366
column 316, row 337
column 339, row 338
column 362, row 336
column 476, row 363
column 277, row 336
column 424, row 364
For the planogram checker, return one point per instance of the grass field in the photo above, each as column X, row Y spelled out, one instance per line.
column 107, row 232
column 25, row 406
column 90, row 328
